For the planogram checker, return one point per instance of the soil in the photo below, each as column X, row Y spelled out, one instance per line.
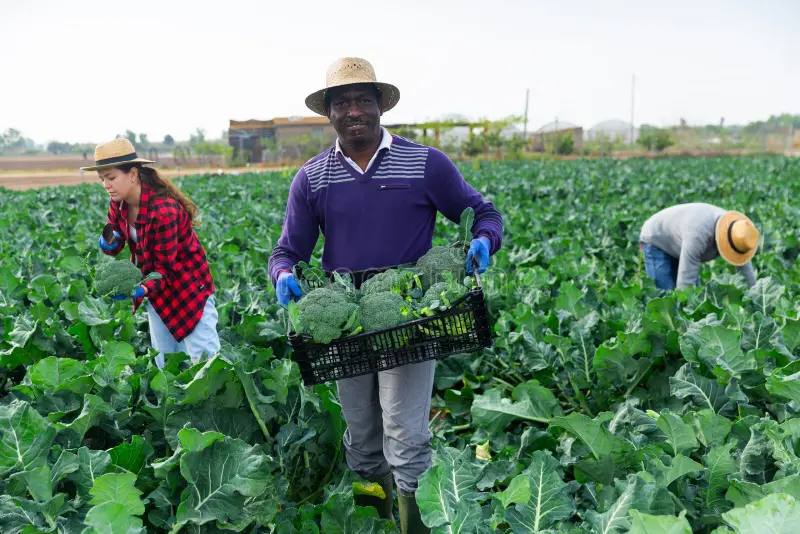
column 36, row 180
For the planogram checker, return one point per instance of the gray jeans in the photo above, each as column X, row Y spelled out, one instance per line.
column 387, row 416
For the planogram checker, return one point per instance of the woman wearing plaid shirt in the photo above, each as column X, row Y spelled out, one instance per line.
column 156, row 220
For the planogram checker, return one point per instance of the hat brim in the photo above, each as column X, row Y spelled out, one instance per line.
column 390, row 96
column 118, row 164
column 724, row 246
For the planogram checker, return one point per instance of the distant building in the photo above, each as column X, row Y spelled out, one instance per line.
column 553, row 131
column 256, row 136
column 613, row 130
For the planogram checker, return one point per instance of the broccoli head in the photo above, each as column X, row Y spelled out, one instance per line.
column 442, row 294
column 385, row 310
column 440, row 297
column 440, row 260
column 396, row 280
column 111, row 277
column 325, row 314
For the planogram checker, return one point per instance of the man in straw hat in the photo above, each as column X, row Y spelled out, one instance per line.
column 676, row 240
column 375, row 196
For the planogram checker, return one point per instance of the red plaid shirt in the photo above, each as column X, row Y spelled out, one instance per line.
column 168, row 245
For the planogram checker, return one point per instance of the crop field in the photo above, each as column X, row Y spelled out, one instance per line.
column 603, row 407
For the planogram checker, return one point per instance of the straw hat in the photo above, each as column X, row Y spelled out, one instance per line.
column 349, row 71
column 737, row 238
column 114, row 153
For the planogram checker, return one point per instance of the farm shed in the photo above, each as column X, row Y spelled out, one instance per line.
column 255, row 136
column 553, row 131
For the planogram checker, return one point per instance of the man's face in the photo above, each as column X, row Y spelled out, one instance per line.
column 356, row 115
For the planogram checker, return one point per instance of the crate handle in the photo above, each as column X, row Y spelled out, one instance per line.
column 475, row 273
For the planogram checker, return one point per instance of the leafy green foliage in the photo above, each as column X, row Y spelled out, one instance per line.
column 603, row 406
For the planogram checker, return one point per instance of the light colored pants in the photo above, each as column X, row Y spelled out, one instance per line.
column 387, row 416
column 202, row 342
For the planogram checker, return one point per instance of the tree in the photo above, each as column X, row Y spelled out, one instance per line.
column 408, row 133
column 473, row 145
column 565, row 144
column 131, row 136
column 169, row 140
column 657, row 139
column 12, row 140
column 55, row 147
column 198, row 137
column 515, row 146
column 305, row 146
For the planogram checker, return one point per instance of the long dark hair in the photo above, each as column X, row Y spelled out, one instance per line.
column 162, row 187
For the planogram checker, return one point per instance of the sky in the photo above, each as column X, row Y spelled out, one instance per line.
column 85, row 71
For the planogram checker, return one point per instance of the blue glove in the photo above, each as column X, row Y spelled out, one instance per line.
column 479, row 251
column 104, row 245
column 287, row 289
column 137, row 294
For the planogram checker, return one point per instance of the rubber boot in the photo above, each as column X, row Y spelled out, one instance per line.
column 384, row 506
column 410, row 519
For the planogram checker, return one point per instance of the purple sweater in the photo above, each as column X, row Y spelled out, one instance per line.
column 382, row 218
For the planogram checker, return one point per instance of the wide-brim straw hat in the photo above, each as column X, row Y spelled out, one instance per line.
column 350, row 71
column 736, row 237
column 113, row 154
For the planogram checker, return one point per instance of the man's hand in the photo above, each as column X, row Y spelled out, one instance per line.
column 478, row 251
column 287, row 289
column 108, row 246
column 137, row 294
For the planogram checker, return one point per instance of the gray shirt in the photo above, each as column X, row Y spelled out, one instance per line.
column 686, row 232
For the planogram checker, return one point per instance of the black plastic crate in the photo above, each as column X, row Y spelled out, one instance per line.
column 461, row 329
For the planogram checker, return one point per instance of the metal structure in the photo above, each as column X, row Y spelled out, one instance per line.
column 613, row 130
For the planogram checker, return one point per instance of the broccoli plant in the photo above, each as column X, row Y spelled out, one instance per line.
column 344, row 284
column 385, row 310
column 309, row 277
column 325, row 314
column 440, row 297
column 448, row 259
column 119, row 277
column 438, row 261
column 402, row 281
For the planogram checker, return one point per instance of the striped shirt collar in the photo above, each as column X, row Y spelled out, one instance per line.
column 386, row 142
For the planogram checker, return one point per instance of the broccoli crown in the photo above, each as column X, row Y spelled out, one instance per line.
column 396, row 280
column 433, row 294
column 444, row 293
column 116, row 277
column 440, row 260
column 326, row 313
column 383, row 310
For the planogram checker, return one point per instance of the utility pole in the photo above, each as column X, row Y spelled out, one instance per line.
column 633, row 88
column 525, row 128
column 555, row 138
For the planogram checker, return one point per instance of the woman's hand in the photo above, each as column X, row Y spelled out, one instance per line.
column 138, row 293
column 105, row 245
